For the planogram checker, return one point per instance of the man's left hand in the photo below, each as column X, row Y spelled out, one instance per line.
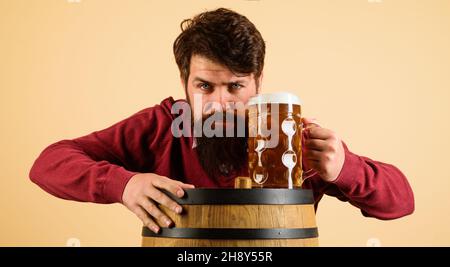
column 323, row 150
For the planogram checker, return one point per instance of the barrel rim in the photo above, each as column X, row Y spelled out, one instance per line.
column 258, row 196
column 233, row 233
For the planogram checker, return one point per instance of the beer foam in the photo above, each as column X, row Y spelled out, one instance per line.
column 276, row 98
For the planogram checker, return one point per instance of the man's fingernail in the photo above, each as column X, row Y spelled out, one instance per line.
column 155, row 229
column 178, row 210
column 180, row 193
column 167, row 222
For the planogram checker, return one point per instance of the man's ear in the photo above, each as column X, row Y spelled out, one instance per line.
column 260, row 79
column 183, row 82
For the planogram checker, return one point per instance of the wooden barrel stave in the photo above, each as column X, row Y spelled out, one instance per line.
column 242, row 216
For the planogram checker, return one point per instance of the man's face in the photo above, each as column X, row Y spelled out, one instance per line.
column 216, row 84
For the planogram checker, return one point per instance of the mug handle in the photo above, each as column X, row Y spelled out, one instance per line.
column 311, row 172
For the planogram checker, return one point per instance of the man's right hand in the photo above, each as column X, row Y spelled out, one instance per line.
column 142, row 195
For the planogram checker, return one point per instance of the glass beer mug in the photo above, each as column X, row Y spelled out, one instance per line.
column 275, row 141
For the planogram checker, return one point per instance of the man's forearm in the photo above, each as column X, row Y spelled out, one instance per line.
column 64, row 170
column 379, row 189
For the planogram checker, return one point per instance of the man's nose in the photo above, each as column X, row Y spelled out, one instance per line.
column 223, row 97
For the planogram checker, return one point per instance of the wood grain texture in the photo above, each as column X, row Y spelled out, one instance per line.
column 239, row 216
column 182, row 242
column 244, row 216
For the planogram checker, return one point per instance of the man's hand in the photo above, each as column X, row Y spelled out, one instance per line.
column 142, row 195
column 323, row 150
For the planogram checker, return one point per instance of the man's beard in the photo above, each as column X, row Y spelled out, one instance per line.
column 222, row 156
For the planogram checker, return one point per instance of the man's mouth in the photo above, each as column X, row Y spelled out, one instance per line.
column 223, row 124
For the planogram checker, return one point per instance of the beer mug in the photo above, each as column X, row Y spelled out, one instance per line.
column 275, row 141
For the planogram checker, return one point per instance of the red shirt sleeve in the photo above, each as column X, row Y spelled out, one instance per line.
column 97, row 167
column 378, row 189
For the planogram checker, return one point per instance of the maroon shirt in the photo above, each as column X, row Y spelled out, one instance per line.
column 97, row 167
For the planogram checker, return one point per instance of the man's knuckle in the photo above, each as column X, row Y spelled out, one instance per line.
column 166, row 201
column 152, row 209
column 150, row 223
column 334, row 136
column 171, row 204
column 146, row 220
column 331, row 147
column 142, row 216
column 161, row 217
column 158, row 195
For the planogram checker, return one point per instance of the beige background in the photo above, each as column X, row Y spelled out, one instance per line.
column 376, row 72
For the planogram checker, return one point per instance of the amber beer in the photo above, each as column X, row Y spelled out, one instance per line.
column 275, row 140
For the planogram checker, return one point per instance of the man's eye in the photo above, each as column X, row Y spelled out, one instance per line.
column 236, row 86
column 204, row 86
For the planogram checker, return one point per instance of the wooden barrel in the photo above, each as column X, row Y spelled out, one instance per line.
column 239, row 217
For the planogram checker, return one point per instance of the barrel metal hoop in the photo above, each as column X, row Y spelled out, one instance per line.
column 234, row 233
column 270, row 196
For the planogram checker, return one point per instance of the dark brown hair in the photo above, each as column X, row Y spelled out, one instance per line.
column 223, row 36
